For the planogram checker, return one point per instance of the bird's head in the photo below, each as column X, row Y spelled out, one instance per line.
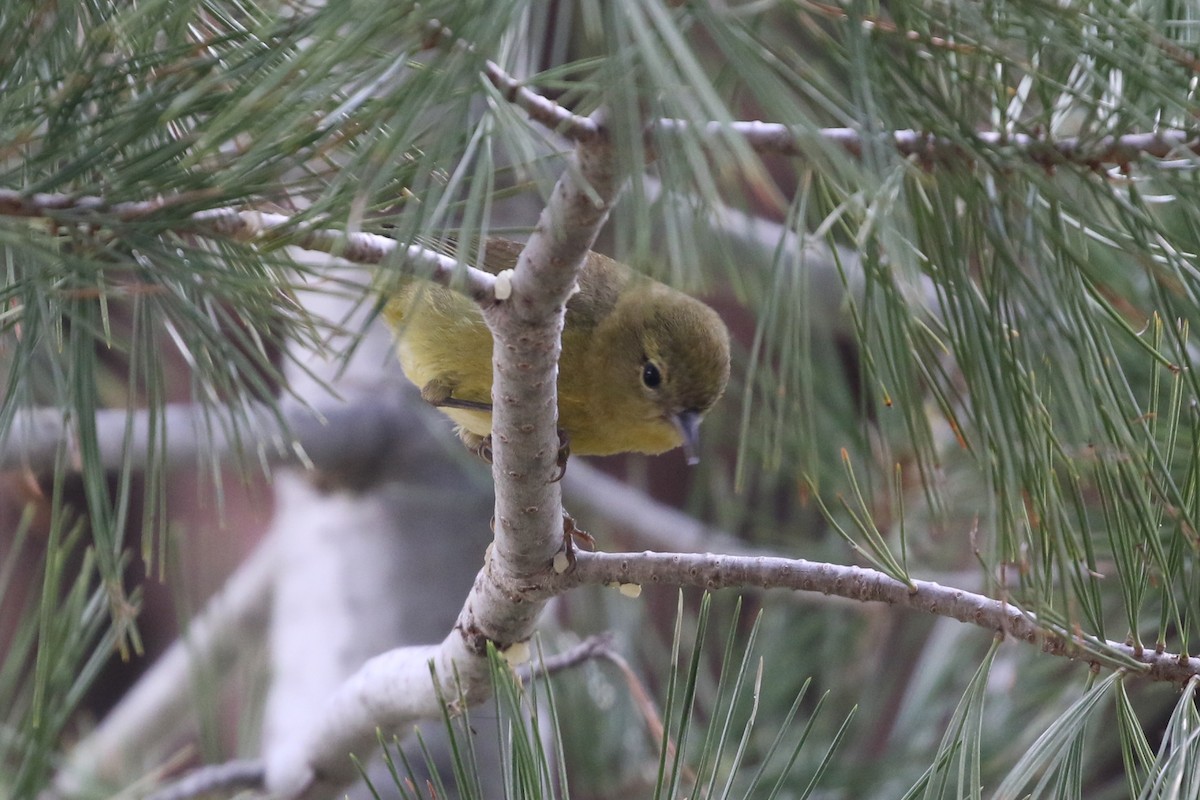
column 666, row 356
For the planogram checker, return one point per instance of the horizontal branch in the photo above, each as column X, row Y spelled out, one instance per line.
column 857, row 583
column 259, row 227
column 1120, row 151
column 769, row 137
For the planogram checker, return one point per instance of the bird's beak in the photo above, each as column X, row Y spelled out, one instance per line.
column 688, row 424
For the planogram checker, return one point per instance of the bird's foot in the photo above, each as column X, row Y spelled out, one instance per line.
column 564, row 452
column 479, row 445
column 573, row 534
column 565, row 558
column 482, row 447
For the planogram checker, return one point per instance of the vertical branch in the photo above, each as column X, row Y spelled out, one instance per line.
column 527, row 328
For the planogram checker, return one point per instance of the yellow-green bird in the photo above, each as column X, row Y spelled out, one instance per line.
column 641, row 363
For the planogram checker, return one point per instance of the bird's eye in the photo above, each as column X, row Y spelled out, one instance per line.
column 650, row 375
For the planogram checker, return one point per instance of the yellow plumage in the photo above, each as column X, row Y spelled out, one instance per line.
column 641, row 363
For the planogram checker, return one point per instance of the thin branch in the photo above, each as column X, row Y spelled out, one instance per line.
column 227, row 778
column 67, row 207
column 712, row 572
column 768, row 137
column 873, row 22
column 329, row 439
column 642, row 701
column 1119, row 151
column 593, row 647
column 259, row 227
column 540, row 108
column 357, row 247
column 334, row 439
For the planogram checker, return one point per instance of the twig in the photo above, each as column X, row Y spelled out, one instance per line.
column 70, row 207
column 768, row 137
column 711, row 572
column 540, row 108
column 228, row 778
column 357, row 247
column 328, row 437
column 1120, row 151
column 771, row 137
column 259, row 227
column 599, row 646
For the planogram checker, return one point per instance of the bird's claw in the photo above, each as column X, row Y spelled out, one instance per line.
column 564, row 452
column 572, row 534
column 482, row 447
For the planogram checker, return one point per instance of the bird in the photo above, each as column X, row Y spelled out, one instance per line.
column 641, row 362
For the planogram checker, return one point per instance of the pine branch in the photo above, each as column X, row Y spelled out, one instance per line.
column 598, row 646
column 540, row 108
column 250, row 774
column 356, row 247
column 713, row 572
column 258, row 227
column 226, row 778
column 931, row 149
